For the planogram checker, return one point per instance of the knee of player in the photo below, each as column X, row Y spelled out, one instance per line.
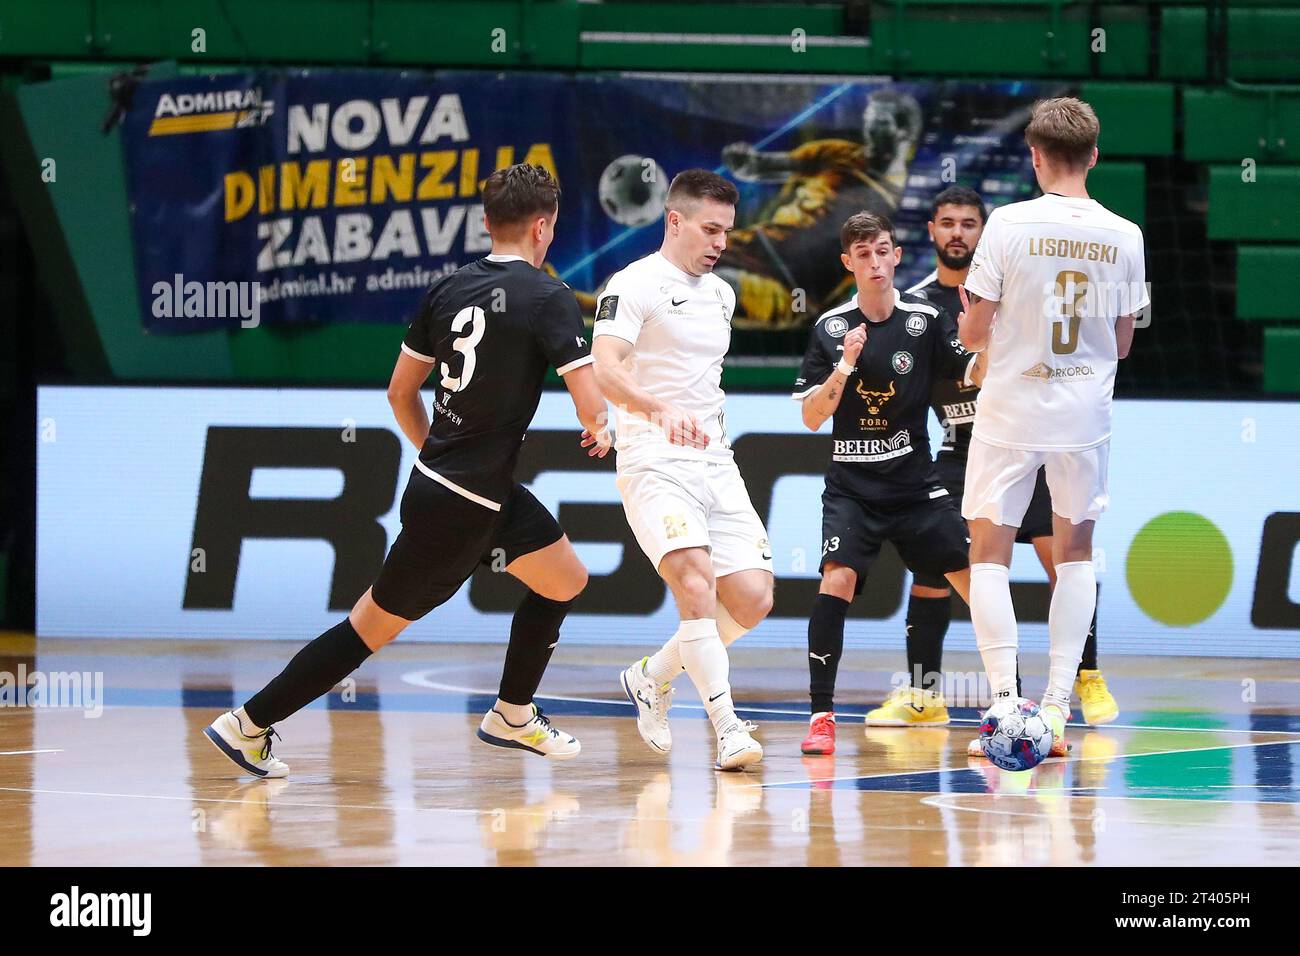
column 839, row 581
column 570, row 586
column 758, row 606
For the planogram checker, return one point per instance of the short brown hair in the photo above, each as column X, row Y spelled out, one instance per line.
column 692, row 185
column 517, row 194
column 1065, row 129
column 865, row 226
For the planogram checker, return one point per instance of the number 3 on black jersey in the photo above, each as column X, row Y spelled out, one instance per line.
column 465, row 345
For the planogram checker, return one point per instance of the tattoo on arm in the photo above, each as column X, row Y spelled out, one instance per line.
column 974, row 297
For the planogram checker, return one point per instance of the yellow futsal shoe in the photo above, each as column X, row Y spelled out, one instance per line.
column 910, row 707
column 1099, row 706
column 1056, row 719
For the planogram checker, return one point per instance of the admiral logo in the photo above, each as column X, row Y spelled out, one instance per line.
column 1045, row 373
column 210, row 112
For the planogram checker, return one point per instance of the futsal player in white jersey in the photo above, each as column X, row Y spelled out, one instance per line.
column 663, row 327
column 1053, row 290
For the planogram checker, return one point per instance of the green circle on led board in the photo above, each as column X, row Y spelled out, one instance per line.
column 1179, row 568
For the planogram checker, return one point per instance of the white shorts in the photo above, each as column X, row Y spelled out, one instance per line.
column 1000, row 482
column 674, row 503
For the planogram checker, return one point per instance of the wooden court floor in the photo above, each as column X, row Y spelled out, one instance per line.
column 389, row 772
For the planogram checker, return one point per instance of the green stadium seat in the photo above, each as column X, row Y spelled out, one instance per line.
column 1182, row 43
column 1264, row 44
column 1268, row 208
column 1266, row 282
column 1282, row 360
column 979, row 39
column 52, row 28
column 1128, row 40
column 1137, row 119
column 1228, row 125
column 1121, row 188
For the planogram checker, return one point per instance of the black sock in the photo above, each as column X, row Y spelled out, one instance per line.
column 825, row 644
column 313, row 671
column 534, row 633
column 927, row 623
column 1089, row 660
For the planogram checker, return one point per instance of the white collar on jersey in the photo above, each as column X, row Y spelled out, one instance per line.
column 493, row 257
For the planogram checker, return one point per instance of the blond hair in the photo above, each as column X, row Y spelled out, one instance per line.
column 1064, row 129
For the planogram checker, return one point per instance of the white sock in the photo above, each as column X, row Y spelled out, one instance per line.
column 821, row 713
column 251, row 729
column 994, row 620
column 1073, row 601
column 706, row 663
column 666, row 663
column 728, row 629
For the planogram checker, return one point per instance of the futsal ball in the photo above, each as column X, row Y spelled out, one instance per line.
column 1014, row 735
column 632, row 190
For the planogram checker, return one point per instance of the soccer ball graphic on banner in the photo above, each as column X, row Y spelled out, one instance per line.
column 632, row 190
column 1014, row 735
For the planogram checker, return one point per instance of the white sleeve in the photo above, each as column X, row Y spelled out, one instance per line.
column 986, row 268
column 620, row 311
column 1138, row 298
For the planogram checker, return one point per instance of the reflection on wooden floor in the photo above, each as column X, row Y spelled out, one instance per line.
column 390, row 772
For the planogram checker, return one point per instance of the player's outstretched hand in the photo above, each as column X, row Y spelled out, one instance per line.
column 854, row 343
column 737, row 157
column 597, row 445
column 682, row 428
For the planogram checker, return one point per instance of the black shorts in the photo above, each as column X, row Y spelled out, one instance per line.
column 445, row 537
column 929, row 534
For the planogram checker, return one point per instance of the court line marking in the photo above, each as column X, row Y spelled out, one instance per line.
column 16, row 753
column 1050, row 760
column 421, row 678
column 939, row 801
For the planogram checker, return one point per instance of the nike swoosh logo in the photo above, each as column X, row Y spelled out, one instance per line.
column 677, row 302
column 715, row 697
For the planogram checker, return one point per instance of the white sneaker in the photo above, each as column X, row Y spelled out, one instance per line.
column 736, row 748
column 536, row 736
column 975, row 748
column 651, row 701
column 250, row 754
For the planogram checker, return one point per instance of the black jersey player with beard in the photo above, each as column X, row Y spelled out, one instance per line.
column 956, row 223
column 488, row 333
column 871, row 366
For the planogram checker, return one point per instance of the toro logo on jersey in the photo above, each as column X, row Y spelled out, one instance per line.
column 902, row 362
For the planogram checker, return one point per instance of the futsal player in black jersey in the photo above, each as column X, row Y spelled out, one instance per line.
column 871, row 365
column 956, row 222
column 488, row 334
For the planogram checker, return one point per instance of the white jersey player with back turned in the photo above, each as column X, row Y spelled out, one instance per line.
column 663, row 327
column 1064, row 278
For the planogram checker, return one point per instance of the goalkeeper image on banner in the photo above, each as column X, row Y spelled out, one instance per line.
column 824, row 182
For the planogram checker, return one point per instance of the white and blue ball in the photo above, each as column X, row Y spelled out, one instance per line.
column 1014, row 735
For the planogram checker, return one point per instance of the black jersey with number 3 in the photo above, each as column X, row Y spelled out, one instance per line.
column 491, row 330
column 881, row 447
